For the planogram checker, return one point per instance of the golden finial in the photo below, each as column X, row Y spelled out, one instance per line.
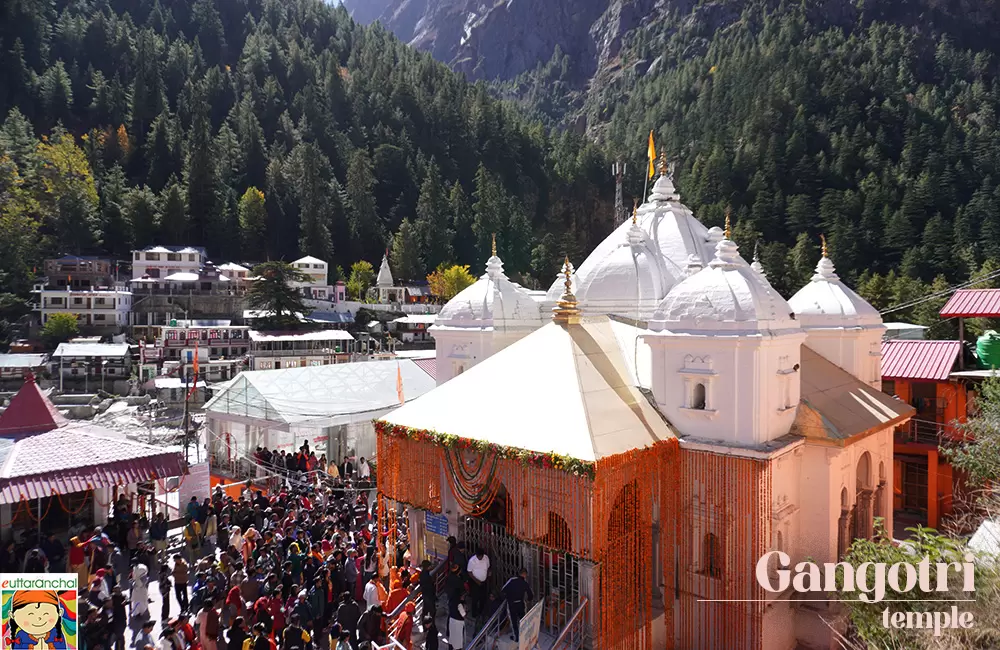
column 566, row 311
column 729, row 229
column 663, row 163
column 822, row 240
column 635, row 209
column 494, row 249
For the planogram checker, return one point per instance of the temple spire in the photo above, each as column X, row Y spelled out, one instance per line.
column 825, row 270
column 729, row 229
column 566, row 311
column 756, row 265
column 824, row 252
column 663, row 163
column 493, row 249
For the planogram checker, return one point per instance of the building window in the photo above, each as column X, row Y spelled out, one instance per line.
column 152, row 257
column 153, row 273
column 698, row 397
column 191, row 257
column 712, row 556
column 889, row 386
column 77, row 301
column 98, row 316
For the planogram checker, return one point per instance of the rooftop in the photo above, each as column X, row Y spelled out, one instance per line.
column 918, row 359
column 591, row 407
column 42, row 454
column 22, row 360
column 333, row 394
column 173, row 249
column 322, row 335
column 92, row 350
column 972, row 303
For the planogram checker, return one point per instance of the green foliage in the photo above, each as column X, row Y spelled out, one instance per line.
column 361, row 279
column 68, row 197
column 979, row 455
column 866, row 618
column 271, row 293
column 406, row 247
column 59, row 328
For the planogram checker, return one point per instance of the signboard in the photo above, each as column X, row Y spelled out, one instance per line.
column 436, row 524
column 435, row 535
column 530, row 626
column 197, row 483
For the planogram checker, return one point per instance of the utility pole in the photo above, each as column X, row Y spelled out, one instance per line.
column 618, row 171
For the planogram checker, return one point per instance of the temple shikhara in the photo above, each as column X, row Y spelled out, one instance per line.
column 641, row 434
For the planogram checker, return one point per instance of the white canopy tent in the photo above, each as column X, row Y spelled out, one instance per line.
column 331, row 407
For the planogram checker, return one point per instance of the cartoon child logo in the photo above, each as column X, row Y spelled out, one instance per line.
column 39, row 619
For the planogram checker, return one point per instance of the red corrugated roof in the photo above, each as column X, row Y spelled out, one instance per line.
column 428, row 365
column 924, row 360
column 80, row 479
column 971, row 303
column 30, row 412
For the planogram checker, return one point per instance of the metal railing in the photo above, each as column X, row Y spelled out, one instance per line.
column 574, row 635
column 492, row 630
column 926, row 432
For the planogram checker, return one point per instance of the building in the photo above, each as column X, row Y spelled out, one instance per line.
column 906, row 331
column 203, row 294
column 84, row 287
column 275, row 350
column 921, row 373
column 413, row 328
column 160, row 261
column 384, row 285
column 217, row 338
column 330, row 407
column 75, row 272
column 172, row 392
column 674, row 420
column 240, row 275
column 15, row 367
column 95, row 365
column 57, row 475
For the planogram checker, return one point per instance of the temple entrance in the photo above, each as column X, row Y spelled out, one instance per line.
column 553, row 575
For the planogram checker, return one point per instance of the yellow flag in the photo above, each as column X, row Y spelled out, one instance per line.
column 652, row 156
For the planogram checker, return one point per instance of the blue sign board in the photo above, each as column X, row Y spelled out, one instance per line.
column 436, row 524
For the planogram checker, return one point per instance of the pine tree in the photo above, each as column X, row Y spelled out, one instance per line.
column 202, row 184
column 56, row 91
column 173, row 215
column 366, row 227
column 142, row 214
column 406, row 255
column 310, row 171
column 432, row 220
column 118, row 238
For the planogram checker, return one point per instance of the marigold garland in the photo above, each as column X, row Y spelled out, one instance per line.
column 544, row 460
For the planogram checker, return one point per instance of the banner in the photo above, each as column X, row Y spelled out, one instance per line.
column 37, row 606
column 197, row 484
column 530, row 626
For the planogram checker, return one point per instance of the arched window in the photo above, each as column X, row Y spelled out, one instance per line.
column 712, row 556
column 864, row 472
column 698, row 397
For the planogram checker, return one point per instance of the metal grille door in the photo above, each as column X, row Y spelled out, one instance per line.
column 554, row 576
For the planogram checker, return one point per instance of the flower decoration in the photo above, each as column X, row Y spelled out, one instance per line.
column 541, row 460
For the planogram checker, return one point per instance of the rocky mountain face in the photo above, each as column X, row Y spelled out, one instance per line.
column 501, row 39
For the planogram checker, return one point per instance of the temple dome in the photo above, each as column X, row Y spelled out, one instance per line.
column 673, row 234
column 630, row 280
column 493, row 297
column 727, row 295
column 827, row 302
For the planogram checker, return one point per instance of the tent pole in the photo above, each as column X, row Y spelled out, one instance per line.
column 39, row 519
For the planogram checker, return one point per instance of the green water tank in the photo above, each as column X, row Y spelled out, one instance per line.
column 988, row 349
column 173, row 322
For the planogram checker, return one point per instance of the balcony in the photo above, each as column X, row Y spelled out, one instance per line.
column 298, row 353
column 925, row 432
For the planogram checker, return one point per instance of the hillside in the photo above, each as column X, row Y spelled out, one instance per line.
column 128, row 123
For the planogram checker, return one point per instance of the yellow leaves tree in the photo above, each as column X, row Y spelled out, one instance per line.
column 68, row 198
column 447, row 281
column 19, row 225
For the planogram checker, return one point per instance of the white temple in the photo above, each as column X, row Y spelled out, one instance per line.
column 672, row 316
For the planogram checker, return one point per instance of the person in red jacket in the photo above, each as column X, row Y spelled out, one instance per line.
column 404, row 626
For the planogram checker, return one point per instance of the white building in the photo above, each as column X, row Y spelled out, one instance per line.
column 330, row 407
column 785, row 438
column 103, row 309
column 161, row 261
column 276, row 350
column 92, row 361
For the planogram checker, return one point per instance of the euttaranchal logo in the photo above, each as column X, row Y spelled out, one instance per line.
column 38, row 610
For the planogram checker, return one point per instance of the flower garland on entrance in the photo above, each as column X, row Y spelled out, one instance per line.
column 474, row 492
column 546, row 460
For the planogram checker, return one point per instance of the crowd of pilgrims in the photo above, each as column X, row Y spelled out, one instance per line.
column 295, row 568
